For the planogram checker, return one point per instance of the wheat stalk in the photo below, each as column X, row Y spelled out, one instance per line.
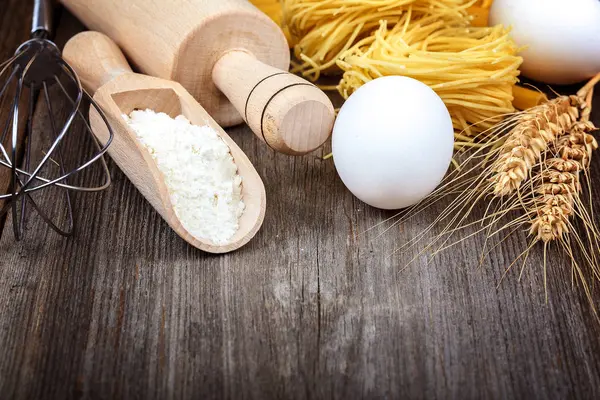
column 531, row 174
column 525, row 139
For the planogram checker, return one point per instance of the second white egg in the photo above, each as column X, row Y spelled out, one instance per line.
column 393, row 142
column 561, row 38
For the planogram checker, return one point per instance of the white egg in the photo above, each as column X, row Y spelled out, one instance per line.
column 562, row 37
column 392, row 142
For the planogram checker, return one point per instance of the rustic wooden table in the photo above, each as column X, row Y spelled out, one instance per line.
column 309, row 309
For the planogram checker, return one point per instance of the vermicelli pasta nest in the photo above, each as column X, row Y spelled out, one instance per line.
column 473, row 69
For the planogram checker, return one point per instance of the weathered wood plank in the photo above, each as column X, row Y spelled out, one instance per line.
column 15, row 28
column 313, row 307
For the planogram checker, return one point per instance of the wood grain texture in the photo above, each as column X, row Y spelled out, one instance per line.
column 312, row 307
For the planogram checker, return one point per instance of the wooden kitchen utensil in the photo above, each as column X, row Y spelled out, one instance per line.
column 103, row 70
column 230, row 56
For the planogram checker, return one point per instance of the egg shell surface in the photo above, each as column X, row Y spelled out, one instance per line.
column 392, row 142
column 562, row 38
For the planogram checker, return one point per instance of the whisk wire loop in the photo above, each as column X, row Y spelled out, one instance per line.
column 35, row 67
column 15, row 136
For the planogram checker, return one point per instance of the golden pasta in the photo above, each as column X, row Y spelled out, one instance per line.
column 473, row 69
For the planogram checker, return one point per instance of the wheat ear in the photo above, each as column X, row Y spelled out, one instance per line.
column 535, row 130
column 559, row 183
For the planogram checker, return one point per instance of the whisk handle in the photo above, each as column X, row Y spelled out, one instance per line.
column 96, row 59
column 41, row 23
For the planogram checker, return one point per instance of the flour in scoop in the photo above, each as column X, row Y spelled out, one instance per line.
column 199, row 171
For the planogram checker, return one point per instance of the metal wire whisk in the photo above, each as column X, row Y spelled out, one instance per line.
column 36, row 74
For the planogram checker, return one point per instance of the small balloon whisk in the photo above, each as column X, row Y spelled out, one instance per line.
column 42, row 107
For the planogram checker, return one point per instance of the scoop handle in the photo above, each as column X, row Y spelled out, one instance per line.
column 290, row 114
column 96, row 59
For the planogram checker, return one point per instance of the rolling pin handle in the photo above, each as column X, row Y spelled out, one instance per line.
column 96, row 58
column 290, row 114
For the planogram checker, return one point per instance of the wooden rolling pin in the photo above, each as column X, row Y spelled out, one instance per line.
column 105, row 73
column 230, row 56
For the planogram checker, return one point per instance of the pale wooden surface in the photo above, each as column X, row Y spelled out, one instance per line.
column 229, row 40
column 96, row 59
column 284, row 110
column 119, row 91
column 308, row 309
column 192, row 42
column 181, row 40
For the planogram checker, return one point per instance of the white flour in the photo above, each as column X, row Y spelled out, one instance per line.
column 199, row 171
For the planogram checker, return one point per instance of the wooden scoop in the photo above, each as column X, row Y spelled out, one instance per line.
column 230, row 56
column 103, row 70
